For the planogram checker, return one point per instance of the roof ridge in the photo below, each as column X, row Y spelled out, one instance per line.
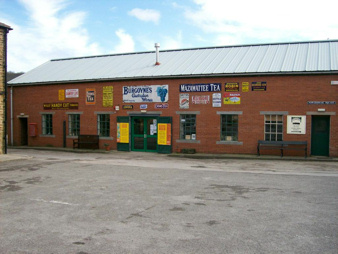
column 187, row 49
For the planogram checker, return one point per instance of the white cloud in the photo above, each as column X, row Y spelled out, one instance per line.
column 146, row 15
column 265, row 20
column 126, row 43
column 48, row 34
column 172, row 42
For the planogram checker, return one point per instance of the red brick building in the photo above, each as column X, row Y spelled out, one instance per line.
column 213, row 100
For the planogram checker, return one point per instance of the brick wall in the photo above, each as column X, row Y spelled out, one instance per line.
column 284, row 93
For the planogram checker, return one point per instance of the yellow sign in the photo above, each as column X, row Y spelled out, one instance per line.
column 164, row 134
column 107, row 96
column 245, row 86
column 123, row 132
column 232, row 98
column 61, row 95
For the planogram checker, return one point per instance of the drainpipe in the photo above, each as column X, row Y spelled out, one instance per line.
column 12, row 115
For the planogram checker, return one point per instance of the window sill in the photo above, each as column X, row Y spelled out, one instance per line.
column 106, row 138
column 229, row 143
column 188, row 141
column 46, row 136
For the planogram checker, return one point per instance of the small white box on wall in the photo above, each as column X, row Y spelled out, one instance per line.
column 296, row 125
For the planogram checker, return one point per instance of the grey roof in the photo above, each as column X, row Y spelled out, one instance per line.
column 259, row 59
column 3, row 25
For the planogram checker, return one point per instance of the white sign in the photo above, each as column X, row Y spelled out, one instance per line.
column 72, row 93
column 184, row 100
column 200, row 99
column 296, row 125
column 142, row 94
column 216, row 100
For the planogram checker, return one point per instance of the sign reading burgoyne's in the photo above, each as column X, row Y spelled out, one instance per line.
column 142, row 94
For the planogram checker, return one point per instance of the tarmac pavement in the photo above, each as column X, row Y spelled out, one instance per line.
column 128, row 202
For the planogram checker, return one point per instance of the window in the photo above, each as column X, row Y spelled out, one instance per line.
column 73, row 124
column 273, row 127
column 229, row 127
column 103, row 125
column 47, row 124
column 188, row 127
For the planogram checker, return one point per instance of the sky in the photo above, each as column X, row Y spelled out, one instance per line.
column 53, row 29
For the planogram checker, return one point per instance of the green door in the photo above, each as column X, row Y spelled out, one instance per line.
column 320, row 135
column 144, row 134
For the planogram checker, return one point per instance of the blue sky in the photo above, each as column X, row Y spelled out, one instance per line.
column 49, row 29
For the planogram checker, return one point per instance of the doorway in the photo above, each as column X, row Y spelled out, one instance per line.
column 320, row 135
column 144, row 134
column 23, row 131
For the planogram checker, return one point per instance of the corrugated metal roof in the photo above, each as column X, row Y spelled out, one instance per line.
column 259, row 59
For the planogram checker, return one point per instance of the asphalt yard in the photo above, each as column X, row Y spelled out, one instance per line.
column 128, row 202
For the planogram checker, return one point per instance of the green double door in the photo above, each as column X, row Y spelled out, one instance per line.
column 144, row 134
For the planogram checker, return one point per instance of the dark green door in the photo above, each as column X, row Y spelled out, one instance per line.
column 144, row 134
column 320, row 135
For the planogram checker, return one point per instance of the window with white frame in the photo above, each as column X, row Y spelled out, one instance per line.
column 47, row 124
column 273, row 127
column 103, row 125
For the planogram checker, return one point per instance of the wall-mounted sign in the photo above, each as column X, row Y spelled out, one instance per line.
column 164, row 134
column 122, row 132
column 139, row 94
column 231, row 87
column 210, row 87
column 296, row 125
column 161, row 105
column 321, row 102
column 143, row 106
column 61, row 95
column 216, row 100
column 127, row 107
column 200, row 99
column 184, row 100
column 61, row 105
column 107, row 100
column 258, row 86
column 72, row 93
column 90, row 96
column 245, row 86
column 232, row 98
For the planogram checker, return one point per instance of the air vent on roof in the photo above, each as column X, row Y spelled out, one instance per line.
column 157, row 46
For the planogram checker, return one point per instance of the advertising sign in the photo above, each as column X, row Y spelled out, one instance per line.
column 216, row 100
column 296, row 125
column 72, row 93
column 321, row 103
column 142, row 94
column 231, row 87
column 210, row 87
column 90, row 96
column 258, row 86
column 164, row 134
column 127, row 107
column 123, row 132
column 184, row 100
column 107, row 100
column 200, row 99
column 61, row 105
column 232, row 98
column 245, row 86
column 61, row 95
column 161, row 105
